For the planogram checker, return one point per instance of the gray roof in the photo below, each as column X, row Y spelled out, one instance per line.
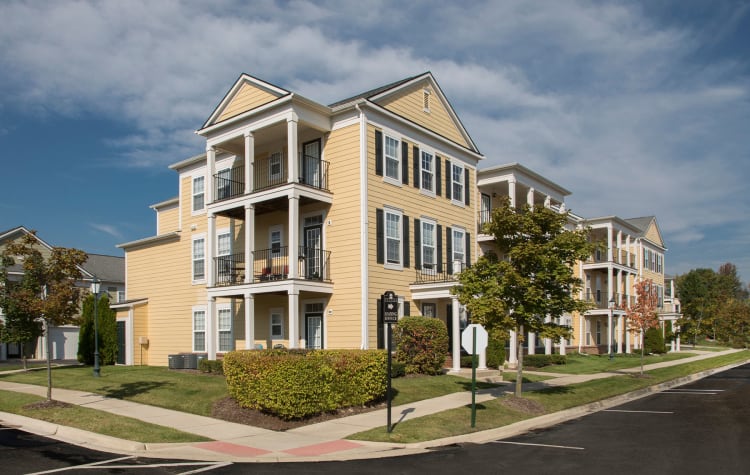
column 374, row 92
column 641, row 223
column 106, row 268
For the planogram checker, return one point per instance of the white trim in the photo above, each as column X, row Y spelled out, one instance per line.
column 462, row 230
column 435, row 258
column 426, row 191
column 219, row 308
column 196, row 309
column 363, row 231
column 202, row 210
column 399, row 159
column 460, row 201
column 194, row 238
column 396, row 212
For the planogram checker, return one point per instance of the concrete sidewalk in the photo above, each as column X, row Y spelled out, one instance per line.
column 321, row 441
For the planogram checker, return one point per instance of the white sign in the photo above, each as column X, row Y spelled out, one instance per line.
column 467, row 338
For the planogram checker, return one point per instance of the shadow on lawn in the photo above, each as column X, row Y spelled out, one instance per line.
column 127, row 390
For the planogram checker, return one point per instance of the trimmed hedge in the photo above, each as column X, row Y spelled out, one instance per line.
column 294, row 384
column 653, row 341
column 421, row 344
column 539, row 361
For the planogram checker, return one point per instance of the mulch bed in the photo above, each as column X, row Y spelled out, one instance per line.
column 521, row 404
column 47, row 405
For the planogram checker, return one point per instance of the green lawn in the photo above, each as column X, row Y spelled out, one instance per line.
column 6, row 366
column 495, row 413
column 590, row 364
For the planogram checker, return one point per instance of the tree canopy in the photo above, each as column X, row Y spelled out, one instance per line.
column 643, row 315
column 529, row 282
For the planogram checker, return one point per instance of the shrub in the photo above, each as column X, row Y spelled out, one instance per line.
column 653, row 341
column 495, row 353
column 211, row 366
column 540, row 361
column 421, row 344
column 398, row 369
column 294, row 384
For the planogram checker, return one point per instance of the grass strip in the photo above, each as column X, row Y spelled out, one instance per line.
column 497, row 413
column 92, row 420
column 590, row 364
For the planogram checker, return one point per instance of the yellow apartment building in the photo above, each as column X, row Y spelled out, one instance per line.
column 298, row 217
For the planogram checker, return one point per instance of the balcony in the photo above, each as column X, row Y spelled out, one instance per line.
column 600, row 256
column 599, row 300
column 270, row 173
column 436, row 273
column 272, row 265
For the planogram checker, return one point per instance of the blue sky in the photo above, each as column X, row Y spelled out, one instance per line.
column 638, row 108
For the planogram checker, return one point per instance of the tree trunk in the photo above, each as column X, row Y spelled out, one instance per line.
column 519, row 368
column 23, row 358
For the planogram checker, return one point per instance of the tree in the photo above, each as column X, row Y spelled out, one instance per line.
column 696, row 291
column 533, row 281
column 48, row 293
column 106, row 328
column 733, row 323
column 642, row 315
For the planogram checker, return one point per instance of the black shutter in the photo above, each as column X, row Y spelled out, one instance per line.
column 448, row 179
column 404, row 163
column 438, row 176
column 378, row 153
column 405, row 240
column 449, row 249
column 417, row 244
column 380, row 232
column 407, row 309
column 439, row 248
column 468, row 249
column 467, row 192
column 417, row 161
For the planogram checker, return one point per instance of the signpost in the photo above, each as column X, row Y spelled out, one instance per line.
column 474, row 341
column 389, row 309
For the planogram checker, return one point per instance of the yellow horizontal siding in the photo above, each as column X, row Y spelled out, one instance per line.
column 169, row 220
column 247, row 98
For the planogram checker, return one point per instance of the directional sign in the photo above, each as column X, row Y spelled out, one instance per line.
column 467, row 338
column 390, row 307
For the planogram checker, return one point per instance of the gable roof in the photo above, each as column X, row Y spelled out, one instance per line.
column 645, row 224
column 274, row 92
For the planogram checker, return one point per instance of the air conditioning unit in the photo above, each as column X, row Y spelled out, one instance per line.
column 176, row 361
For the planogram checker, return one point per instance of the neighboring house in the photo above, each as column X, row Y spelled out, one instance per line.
column 299, row 216
column 110, row 270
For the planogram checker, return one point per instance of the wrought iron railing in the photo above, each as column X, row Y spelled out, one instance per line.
column 229, row 269
column 439, row 272
column 229, row 185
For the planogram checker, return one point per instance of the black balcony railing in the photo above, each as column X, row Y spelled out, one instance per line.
column 442, row 272
column 314, row 264
column 484, row 217
column 229, row 183
column 272, row 172
column 229, row 269
column 273, row 264
column 314, row 172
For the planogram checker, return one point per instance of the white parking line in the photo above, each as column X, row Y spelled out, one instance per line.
column 644, row 412
column 204, row 466
column 537, row 445
column 87, row 465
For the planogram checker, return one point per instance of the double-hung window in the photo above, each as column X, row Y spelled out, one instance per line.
column 223, row 183
column 277, row 324
column 457, row 180
column 199, row 258
column 428, row 245
column 392, row 159
column 199, row 329
column 459, row 251
column 428, row 172
column 393, row 237
column 198, row 193
column 226, row 342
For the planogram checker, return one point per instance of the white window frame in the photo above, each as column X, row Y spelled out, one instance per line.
column 272, row 158
column 193, row 260
column 396, row 158
column 275, row 229
column 430, row 173
column 226, row 174
column 223, row 233
column 276, row 312
column 426, row 223
column 457, row 230
column 195, row 330
column 457, row 183
column 224, row 329
column 400, row 238
column 193, row 194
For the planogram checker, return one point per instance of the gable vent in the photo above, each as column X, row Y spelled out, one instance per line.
column 426, row 99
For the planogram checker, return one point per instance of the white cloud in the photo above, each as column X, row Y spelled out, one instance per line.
column 107, row 229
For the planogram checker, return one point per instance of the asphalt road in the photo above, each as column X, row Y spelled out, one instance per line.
column 700, row 428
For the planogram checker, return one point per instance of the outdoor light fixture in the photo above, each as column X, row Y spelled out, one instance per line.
column 95, row 290
column 611, row 328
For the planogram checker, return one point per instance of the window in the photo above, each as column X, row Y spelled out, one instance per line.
column 199, row 258
column 199, row 330
column 428, row 245
column 223, row 183
column 226, row 342
column 428, row 172
column 459, row 252
column 224, row 244
column 198, row 193
column 277, row 324
column 393, row 237
column 392, row 160
column 275, row 240
column 275, row 167
column 429, row 310
column 457, row 180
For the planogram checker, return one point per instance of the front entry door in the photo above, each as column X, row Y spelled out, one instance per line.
column 314, row 248
column 121, row 342
column 314, row 330
column 311, row 164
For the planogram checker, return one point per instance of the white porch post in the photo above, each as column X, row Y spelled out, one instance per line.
column 609, row 332
column 548, row 201
column 209, row 253
column 208, row 185
column 456, row 326
column 581, row 331
column 512, row 192
column 532, row 343
column 672, row 343
column 293, row 236
column 249, row 160
column 211, row 328
column 249, row 321
column 293, row 318
column 249, row 242
column 291, row 143
column 512, row 356
column 609, row 244
column 530, row 197
column 547, row 341
column 619, row 333
column 628, row 343
column 562, row 346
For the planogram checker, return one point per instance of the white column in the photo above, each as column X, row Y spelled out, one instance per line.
column 547, row 341
column 619, row 247
column 211, row 328
column 249, row 160
column 512, row 192
column 292, row 159
column 208, row 185
column 678, row 342
column 249, row 321
column 628, row 343
column 249, row 243
column 562, row 346
column 456, row 326
column 210, row 252
column 581, row 331
column 293, row 319
column 530, row 197
column 609, row 243
column 532, row 343
column 619, row 296
column 609, row 332
column 547, row 201
column 512, row 356
column 628, row 260
column 672, row 343
column 293, row 236
column 482, row 363
column 619, row 333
